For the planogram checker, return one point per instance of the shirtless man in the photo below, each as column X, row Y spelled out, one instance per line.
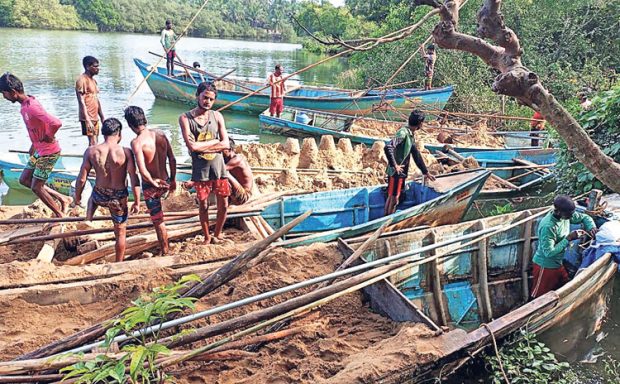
column 89, row 105
column 151, row 148
column 111, row 163
column 204, row 132
column 240, row 175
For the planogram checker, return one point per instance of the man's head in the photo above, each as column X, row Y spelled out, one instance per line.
column 196, row 64
column 564, row 207
column 278, row 70
column 112, row 127
column 135, row 117
column 91, row 65
column 230, row 151
column 206, row 95
column 11, row 87
column 430, row 48
column 168, row 24
column 416, row 119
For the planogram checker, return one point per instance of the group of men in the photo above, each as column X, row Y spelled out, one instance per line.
column 216, row 168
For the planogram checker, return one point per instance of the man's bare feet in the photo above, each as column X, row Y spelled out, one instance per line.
column 217, row 240
column 65, row 204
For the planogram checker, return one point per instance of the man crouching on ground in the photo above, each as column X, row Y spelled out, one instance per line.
column 111, row 163
column 151, row 148
column 240, row 175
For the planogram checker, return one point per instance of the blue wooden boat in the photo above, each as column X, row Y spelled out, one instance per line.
column 355, row 211
column 514, row 171
column 182, row 89
column 476, row 281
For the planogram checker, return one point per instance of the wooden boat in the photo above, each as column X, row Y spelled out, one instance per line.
column 352, row 212
column 302, row 123
column 514, row 171
column 484, row 283
column 182, row 89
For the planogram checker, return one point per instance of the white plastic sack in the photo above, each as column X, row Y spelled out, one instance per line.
column 608, row 233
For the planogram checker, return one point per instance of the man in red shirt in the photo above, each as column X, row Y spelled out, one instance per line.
column 537, row 124
column 276, row 80
column 45, row 151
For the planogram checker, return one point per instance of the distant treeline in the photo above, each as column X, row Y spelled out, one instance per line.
column 221, row 18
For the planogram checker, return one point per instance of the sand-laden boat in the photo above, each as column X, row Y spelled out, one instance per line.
column 302, row 123
column 353, row 102
column 481, row 290
column 355, row 211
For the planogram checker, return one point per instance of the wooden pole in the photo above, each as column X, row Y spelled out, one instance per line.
column 483, row 275
column 525, row 258
column 45, row 220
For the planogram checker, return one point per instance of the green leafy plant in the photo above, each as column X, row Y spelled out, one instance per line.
column 137, row 361
column 611, row 368
column 501, row 210
column 526, row 360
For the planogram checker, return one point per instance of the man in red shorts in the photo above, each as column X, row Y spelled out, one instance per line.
column 152, row 148
column 554, row 236
column 204, row 132
column 399, row 152
column 278, row 89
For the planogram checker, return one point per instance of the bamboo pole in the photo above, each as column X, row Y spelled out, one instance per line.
column 435, row 272
column 483, row 276
column 46, row 220
column 525, row 258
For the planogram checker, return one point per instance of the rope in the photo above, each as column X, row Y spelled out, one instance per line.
column 499, row 359
column 161, row 58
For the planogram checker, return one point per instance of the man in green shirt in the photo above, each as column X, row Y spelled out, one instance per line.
column 168, row 39
column 554, row 236
column 399, row 152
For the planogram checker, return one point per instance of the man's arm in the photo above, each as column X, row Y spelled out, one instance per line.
column 417, row 158
column 548, row 246
column 191, row 143
column 52, row 123
column 82, row 177
column 582, row 218
column 163, row 39
column 101, row 117
column 172, row 162
column 134, row 180
column 390, row 149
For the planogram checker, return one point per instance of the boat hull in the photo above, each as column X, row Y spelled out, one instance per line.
column 179, row 90
column 348, row 213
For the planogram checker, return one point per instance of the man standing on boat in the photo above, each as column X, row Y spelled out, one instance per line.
column 111, row 163
column 44, row 151
column 537, row 124
column 168, row 39
column 204, row 132
column 152, row 148
column 429, row 65
column 554, row 236
column 399, row 152
column 278, row 89
column 87, row 92
column 240, row 175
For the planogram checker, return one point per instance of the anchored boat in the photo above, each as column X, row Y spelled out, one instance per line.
column 351, row 212
column 468, row 283
column 182, row 88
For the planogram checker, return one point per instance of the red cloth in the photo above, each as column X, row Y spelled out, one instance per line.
column 40, row 124
column 395, row 185
column 204, row 188
column 547, row 279
column 171, row 54
column 276, row 106
column 537, row 125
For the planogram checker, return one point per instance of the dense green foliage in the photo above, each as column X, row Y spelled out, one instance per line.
column 130, row 367
column 572, row 47
column 602, row 122
column 527, row 360
column 220, row 18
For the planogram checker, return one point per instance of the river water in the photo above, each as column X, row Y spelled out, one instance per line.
column 48, row 63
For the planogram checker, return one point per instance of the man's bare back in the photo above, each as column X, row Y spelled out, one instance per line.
column 110, row 164
column 152, row 145
column 239, row 168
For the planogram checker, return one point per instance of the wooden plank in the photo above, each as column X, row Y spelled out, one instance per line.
column 438, row 299
column 525, row 258
column 529, row 163
column 483, row 275
column 7, row 236
column 47, row 252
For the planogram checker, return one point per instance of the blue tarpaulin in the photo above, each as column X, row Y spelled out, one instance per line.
column 607, row 241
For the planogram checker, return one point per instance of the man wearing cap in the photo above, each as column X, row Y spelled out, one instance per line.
column 554, row 236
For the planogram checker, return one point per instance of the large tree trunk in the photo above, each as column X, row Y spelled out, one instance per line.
column 517, row 81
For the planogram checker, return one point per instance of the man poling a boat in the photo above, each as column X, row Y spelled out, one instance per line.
column 168, row 38
column 111, row 163
column 278, row 89
column 399, row 152
column 429, row 65
column 554, row 236
column 152, row 148
column 204, row 133
column 240, row 175
column 44, row 151
column 89, row 106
